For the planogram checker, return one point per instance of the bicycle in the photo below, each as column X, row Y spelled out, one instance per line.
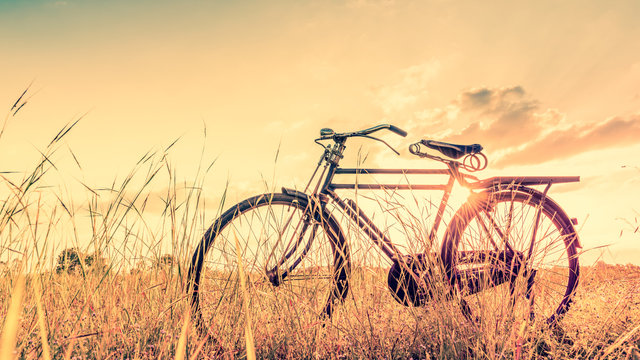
column 509, row 246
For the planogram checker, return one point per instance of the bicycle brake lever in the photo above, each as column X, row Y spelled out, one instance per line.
column 382, row 141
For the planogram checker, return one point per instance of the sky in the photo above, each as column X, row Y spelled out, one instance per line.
column 547, row 87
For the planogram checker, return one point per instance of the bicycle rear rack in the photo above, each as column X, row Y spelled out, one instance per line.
column 522, row 180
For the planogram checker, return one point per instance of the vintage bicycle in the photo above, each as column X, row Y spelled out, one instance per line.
column 508, row 248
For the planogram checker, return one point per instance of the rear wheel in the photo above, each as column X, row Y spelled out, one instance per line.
column 518, row 278
column 295, row 265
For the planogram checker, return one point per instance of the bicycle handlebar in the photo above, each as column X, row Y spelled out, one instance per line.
column 330, row 134
column 390, row 127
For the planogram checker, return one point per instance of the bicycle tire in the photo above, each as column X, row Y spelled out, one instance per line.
column 262, row 224
column 553, row 259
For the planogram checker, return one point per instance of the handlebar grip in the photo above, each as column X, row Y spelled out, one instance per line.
column 397, row 130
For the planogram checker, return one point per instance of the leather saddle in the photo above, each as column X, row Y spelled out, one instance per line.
column 453, row 151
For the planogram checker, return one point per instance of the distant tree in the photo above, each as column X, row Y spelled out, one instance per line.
column 68, row 260
column 72, row 259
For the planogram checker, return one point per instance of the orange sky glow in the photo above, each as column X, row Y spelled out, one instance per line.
column 547, row 87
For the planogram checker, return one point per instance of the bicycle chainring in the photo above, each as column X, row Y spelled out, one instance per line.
column 409, row 280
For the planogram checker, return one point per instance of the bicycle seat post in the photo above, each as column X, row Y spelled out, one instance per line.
column 454, row 167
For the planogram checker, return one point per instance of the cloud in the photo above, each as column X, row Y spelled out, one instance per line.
column 499, row 118
column 517, row 130
column 558, row 144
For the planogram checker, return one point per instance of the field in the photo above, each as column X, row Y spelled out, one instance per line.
column 121, row 295
column 142, row 315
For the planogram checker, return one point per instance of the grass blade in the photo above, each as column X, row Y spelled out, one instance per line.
column 248, row 334
column 37, row 290
column 11, row 322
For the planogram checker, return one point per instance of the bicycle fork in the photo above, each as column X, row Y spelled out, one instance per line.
column 274, row 275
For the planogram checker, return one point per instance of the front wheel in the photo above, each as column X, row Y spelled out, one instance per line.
column 295, row 265
column 503, row 265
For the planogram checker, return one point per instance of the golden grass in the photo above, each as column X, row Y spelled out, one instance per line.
column 42, row 327
column 133, row 321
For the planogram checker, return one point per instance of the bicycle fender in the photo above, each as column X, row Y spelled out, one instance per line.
column 296, row 193
column 319, row 202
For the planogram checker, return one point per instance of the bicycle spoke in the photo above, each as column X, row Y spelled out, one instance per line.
column 269, row 231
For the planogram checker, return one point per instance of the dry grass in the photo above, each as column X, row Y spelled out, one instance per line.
column 141, row 316
column 121, row 311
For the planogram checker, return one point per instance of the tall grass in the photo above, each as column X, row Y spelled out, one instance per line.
column 129, row 306
column 134, row 305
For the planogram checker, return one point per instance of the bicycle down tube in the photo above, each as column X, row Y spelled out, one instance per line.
column 362, row 220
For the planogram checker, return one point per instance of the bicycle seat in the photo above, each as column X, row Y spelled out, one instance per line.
column 454, row 151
